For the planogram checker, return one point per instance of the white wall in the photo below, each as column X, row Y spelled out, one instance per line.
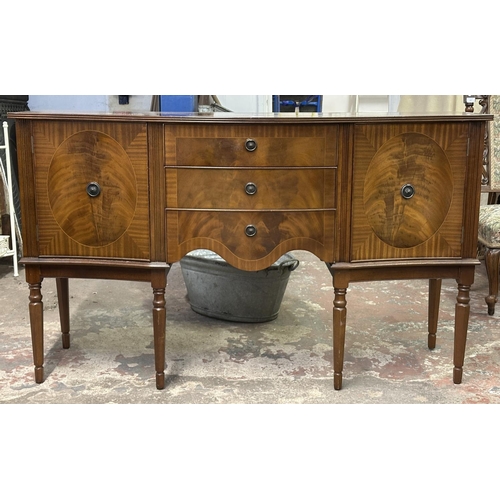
column 338, row 103
column 68, row 102
column 89, row 103
column 247, row 103
column 360, row 103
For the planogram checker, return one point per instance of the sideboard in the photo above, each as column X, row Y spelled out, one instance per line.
column 124, row 196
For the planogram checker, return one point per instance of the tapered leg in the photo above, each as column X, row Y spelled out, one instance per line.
column 36, row 322
column 159, row 283
column 63, row 300
column 434, row 298
column 462, row 309
column 492, row 261
column 339, row 324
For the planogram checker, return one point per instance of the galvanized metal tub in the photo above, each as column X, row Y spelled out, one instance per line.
column 218, row 290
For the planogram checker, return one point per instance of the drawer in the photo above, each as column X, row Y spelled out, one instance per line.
column 207, row 188
column 251, row 146
column 250, row 240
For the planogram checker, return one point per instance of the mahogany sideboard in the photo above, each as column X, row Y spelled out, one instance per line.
column 124, row 196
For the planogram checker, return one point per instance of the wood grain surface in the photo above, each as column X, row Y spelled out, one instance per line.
column 69, row 156
column 433, row 160
column 224, row 146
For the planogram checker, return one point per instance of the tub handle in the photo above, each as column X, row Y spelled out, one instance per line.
column 291, row 263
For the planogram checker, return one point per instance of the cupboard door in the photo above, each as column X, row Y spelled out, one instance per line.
column 92, row 189
column 408, row 191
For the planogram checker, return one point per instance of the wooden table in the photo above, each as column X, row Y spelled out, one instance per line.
column 376, row 197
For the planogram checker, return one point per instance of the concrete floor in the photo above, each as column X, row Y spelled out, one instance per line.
column 288, row 360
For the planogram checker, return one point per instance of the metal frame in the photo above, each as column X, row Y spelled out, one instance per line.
column 7, row 170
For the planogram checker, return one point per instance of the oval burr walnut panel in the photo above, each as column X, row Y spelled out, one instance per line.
column 92, row 189
column 101, row 217
column 424, row 220
column 417, row 164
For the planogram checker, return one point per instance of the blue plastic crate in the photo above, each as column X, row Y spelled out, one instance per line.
column 181, row 103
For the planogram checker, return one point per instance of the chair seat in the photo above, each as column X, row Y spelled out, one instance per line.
column 489, row 225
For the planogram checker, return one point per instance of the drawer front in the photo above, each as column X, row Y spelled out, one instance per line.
column 92, row 195
column 265, row 145
column 250, row 240
column 208, row 188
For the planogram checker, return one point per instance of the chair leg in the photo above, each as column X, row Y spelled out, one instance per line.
column 492, row 261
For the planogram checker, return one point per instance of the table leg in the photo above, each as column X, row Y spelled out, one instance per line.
column 36, row 322
column 159, row 283
column 339, row 325
column 63, row 300
column 434, row 298
column 462, row 309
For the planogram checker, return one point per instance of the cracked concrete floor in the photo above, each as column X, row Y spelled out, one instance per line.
column 288, row 360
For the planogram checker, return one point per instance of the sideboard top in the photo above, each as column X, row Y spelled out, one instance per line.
column 230, row 117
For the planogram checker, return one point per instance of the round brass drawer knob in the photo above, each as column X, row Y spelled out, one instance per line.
column 407, row 191
column 93, row 189
column 250, row 145
column 250, row 188
column 250, row 231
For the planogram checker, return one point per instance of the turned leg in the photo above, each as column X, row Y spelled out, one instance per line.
column 63, row 300
column 434, row 298
column 159, row 283
column 492, row 260
column 36, row 322
column 462, row 309
column 339, row 324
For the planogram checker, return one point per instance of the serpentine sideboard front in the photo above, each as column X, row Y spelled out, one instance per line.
column 123, row 196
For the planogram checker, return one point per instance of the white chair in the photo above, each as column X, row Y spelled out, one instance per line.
column 6, row 173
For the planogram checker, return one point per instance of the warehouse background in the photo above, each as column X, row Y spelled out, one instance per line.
column 236, row 103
